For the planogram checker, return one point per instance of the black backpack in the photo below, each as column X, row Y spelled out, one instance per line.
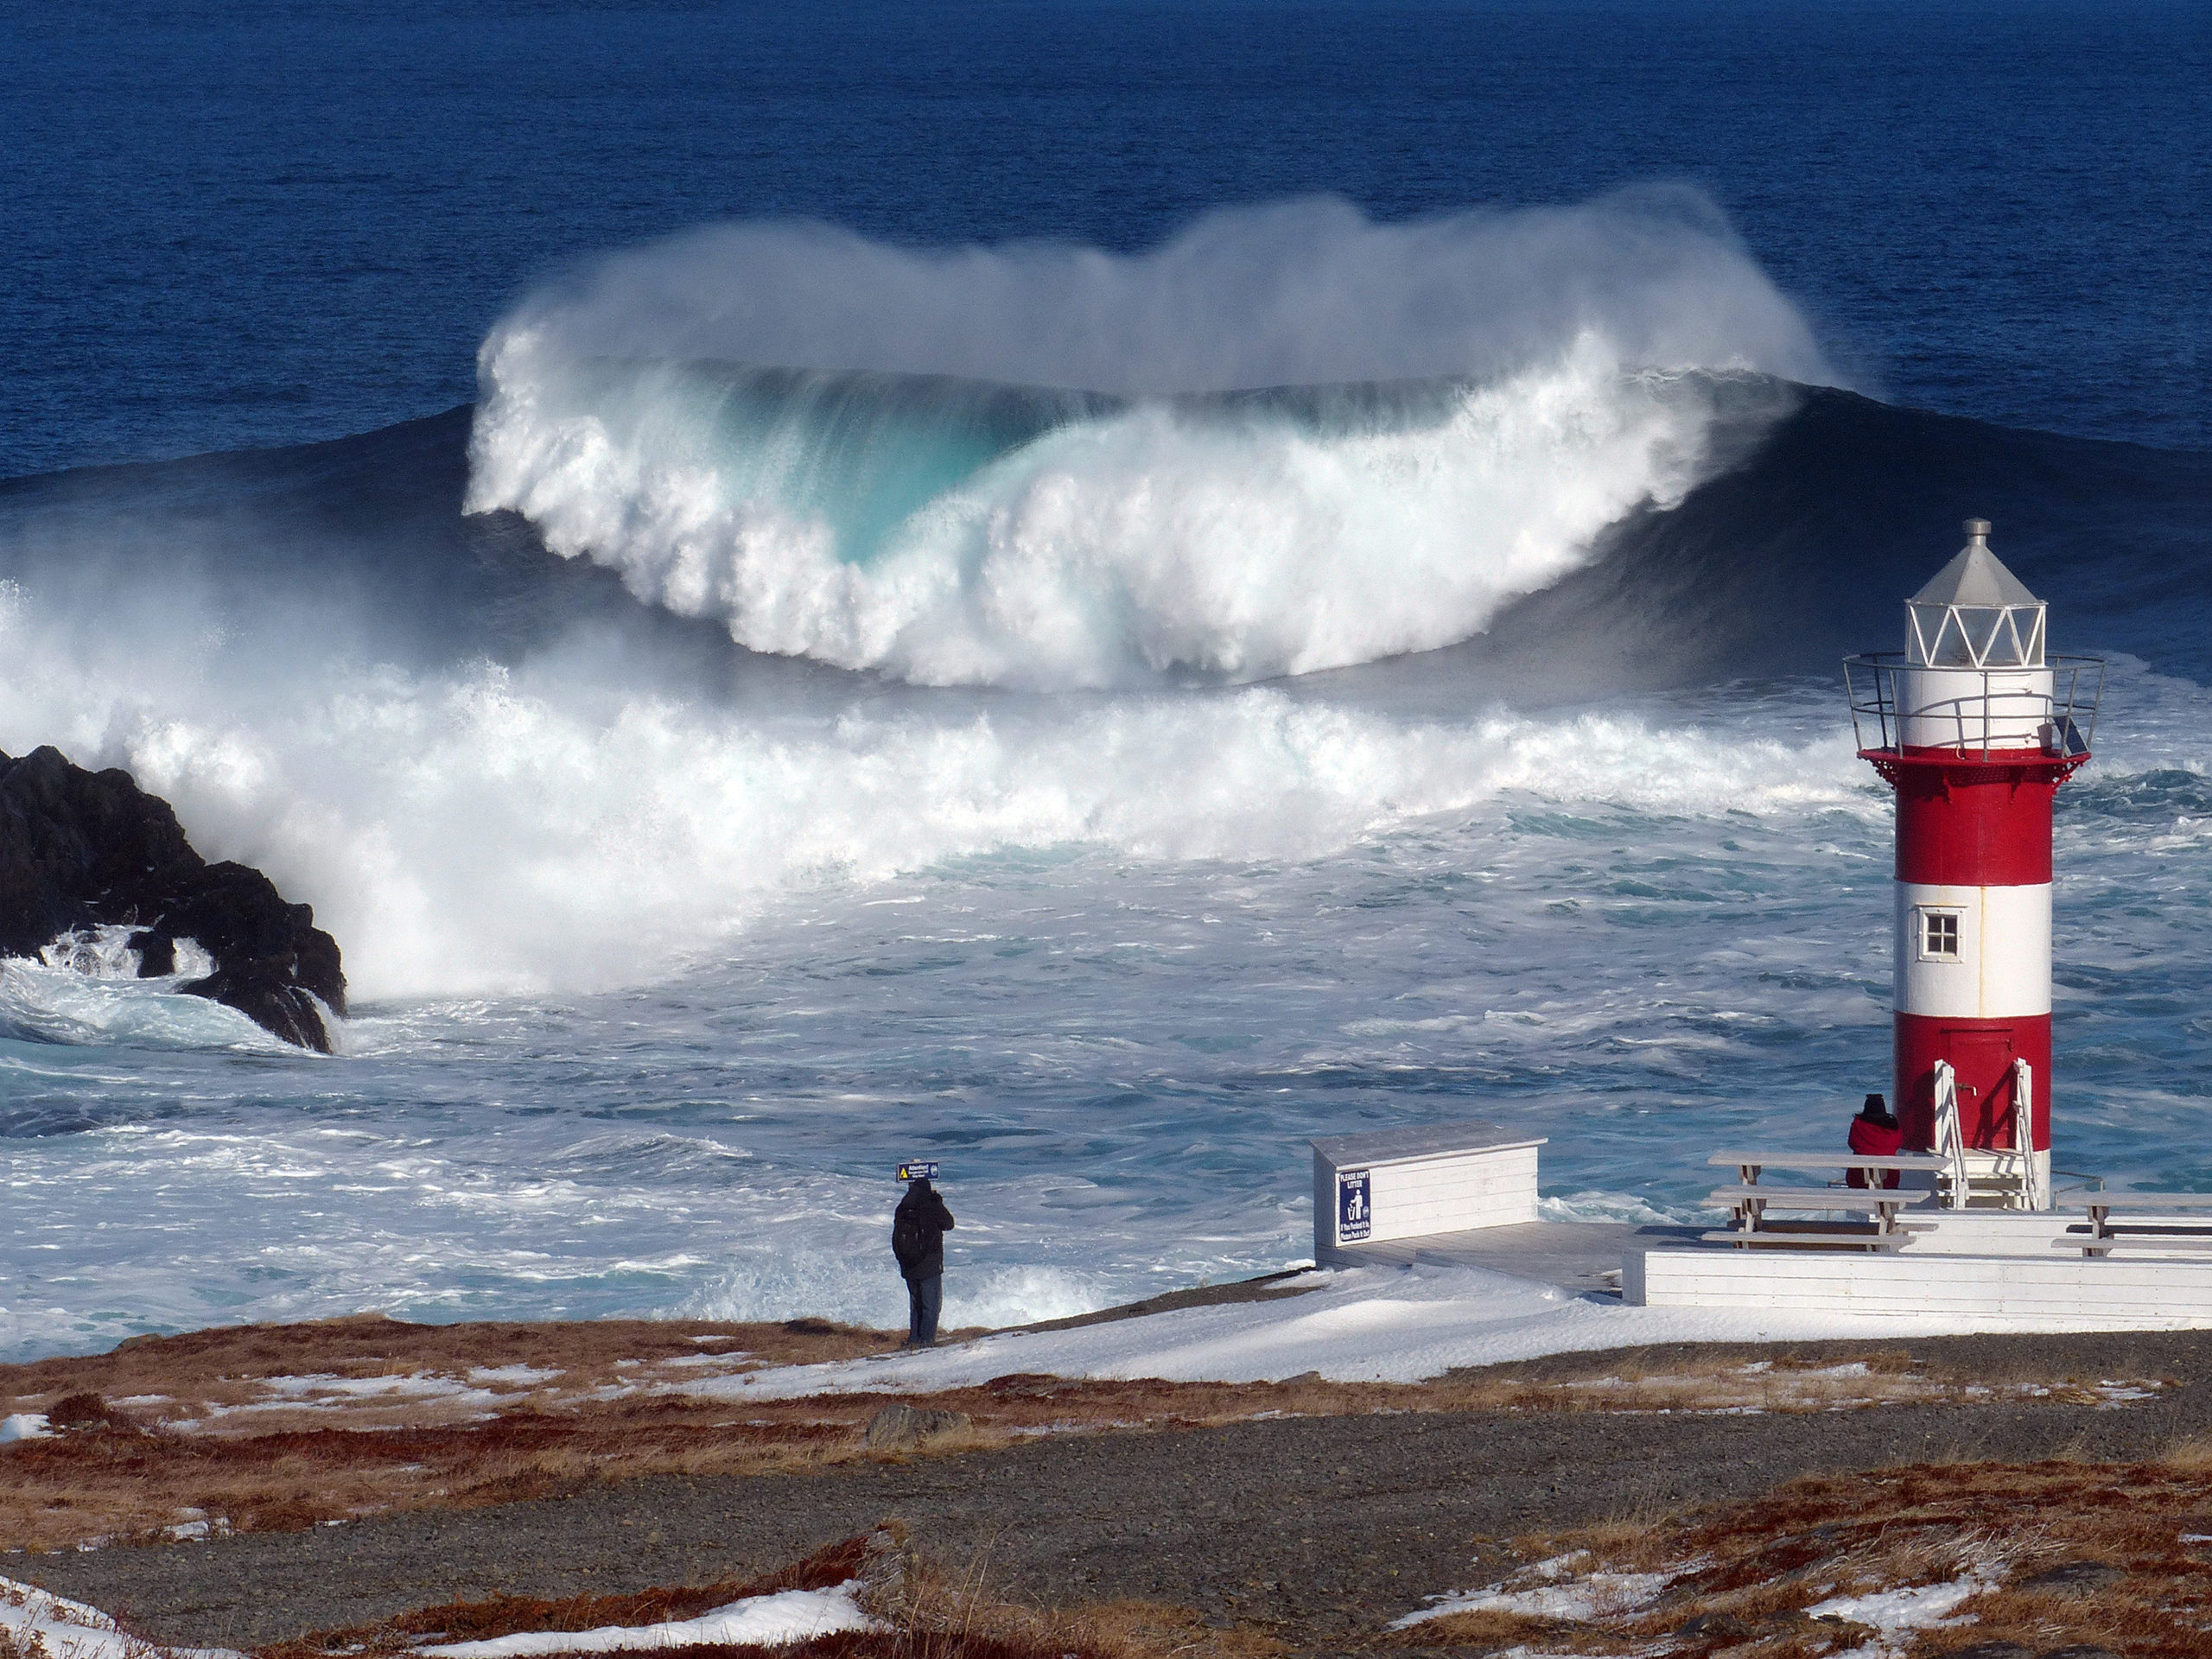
column 910, row 1240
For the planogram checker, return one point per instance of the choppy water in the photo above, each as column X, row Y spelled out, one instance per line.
column 1092, row 718
column 1641, row 933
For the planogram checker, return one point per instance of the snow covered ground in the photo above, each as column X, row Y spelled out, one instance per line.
column 1366, row 1324
column 786, row 1616
column 70, row 1629
column 1564, row 1587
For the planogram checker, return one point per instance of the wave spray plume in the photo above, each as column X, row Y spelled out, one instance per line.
column 1290, row 438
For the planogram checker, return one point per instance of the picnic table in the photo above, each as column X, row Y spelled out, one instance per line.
column 1749, row 1199
column 2103, row 1236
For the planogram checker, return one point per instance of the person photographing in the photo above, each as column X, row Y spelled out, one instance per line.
column 918, row 1231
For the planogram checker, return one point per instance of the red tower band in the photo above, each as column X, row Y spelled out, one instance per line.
column 1978, row 729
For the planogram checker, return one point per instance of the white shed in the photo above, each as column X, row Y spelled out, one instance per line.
column 1446, row 1178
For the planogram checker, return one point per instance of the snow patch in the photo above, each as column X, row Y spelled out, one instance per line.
column 412, row 1382
column 1580, row 1597
column 527, row 1375
column 787, row 1616
column 1898, row 1613
column 1365, row 1323
column 24, row 1426
column 70, row 1629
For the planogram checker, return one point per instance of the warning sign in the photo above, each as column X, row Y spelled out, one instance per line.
column 1355, row 1207
column 918, row 1170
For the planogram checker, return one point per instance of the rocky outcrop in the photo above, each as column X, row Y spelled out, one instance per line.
column 899, row 1425
column 81, row 849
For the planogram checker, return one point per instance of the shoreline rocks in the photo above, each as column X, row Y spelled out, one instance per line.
column 85, row 849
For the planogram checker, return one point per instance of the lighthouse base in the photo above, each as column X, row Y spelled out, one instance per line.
column 2030, row 1292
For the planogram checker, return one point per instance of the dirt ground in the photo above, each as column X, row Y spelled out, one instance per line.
column 1314, row 1530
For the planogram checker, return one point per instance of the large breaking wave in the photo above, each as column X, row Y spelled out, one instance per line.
column 1453, row 412
column 493, row 770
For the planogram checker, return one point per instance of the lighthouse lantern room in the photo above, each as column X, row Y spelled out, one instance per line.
column 1975, row 726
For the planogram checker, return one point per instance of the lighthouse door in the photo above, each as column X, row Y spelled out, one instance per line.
column 1983, row 1061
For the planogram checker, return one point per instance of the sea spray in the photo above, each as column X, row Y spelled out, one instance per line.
column 1299, row 293
column 547, row 828
column 864, row 455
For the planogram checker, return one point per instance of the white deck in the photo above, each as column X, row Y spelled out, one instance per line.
column 1576, row 1254
column 2072, row 1292
column 2018, row 1266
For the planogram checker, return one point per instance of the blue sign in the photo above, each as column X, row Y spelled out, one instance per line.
column 1354, row 1207
column 918, row 1170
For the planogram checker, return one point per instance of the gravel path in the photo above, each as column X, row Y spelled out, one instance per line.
column 1323, row 1527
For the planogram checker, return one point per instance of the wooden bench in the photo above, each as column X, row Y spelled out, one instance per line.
column 2102, row 1237
column 1748, row 1203
column 1750, row 1164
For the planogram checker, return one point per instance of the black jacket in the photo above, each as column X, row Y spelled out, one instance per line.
column 924, row 1204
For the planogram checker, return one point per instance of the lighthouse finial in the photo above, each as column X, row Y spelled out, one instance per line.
column 1977, row 530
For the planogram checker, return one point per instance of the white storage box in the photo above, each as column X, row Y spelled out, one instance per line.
column 1396, row 1184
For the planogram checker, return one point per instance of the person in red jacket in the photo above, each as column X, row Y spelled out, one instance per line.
column 1875, row 1133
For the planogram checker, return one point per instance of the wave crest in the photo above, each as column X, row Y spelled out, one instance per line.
column 1472, row 402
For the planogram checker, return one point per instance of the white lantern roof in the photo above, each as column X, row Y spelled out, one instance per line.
column 1974, row 613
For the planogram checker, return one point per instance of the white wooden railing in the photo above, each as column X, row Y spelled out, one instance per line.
column 2020, row 1188
column 2032, row 1195
column 1950, row 1139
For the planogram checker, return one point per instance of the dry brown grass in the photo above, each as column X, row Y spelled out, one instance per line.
column 261, row 1428
column 2074, row 1553
column 2194, row 1453
column 937, row 1616
column 502, row 1615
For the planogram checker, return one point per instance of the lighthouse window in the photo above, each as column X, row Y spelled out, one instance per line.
column 1939, row 935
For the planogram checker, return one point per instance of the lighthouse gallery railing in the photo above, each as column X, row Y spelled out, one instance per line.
column 2063, row 717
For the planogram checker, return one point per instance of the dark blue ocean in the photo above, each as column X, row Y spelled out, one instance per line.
column 1086, row 589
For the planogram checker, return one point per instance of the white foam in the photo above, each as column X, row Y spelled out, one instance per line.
column 62, row 1005
column 511, row 831
column 1230, row 541
column 1109, row 551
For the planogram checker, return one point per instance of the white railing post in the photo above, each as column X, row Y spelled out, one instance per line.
column 1950, row 1139
column 2023, row 1135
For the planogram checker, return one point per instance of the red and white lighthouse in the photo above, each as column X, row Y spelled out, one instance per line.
column 1978, row 727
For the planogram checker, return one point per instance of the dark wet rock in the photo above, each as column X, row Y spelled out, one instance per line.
column 157, row 953
column 81, row 849
column 2081, row 1650
column 2073, row 1578
column 1716, row 1627
column 1995, row 1650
